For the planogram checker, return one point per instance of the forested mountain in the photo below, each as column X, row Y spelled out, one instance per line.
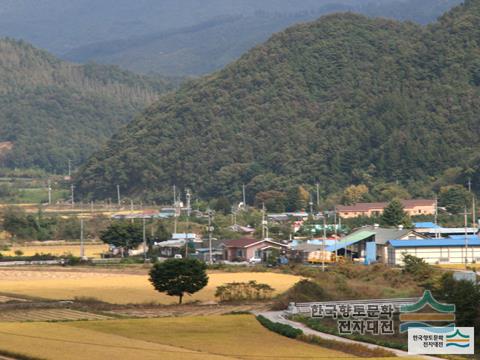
column 178, row 37
column 336, row 100
column 52, row 111
column 209, row 46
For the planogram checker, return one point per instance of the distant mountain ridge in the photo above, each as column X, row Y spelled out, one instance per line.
column 178, row 37
column 336, row 101
column 53, row 111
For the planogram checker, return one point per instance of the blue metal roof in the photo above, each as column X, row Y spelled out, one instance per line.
column 470, row 237
column 433, row 242
column 425, row 225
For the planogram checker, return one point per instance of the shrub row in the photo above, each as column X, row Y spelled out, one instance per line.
column 282, row 329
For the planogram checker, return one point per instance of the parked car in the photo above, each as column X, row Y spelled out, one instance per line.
column 255, row 260
column 178, row 256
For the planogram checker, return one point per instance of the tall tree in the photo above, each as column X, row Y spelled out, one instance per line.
column 177, row 277
column 454, row 198
column 394, row 214
column 123, row 234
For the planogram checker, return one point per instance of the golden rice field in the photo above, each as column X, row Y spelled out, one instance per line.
column 202, row 338
column 458, row 266
column 119, row 288
column 92, row 251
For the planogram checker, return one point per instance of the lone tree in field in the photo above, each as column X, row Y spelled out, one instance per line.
column 177, row 277
column 394, row 214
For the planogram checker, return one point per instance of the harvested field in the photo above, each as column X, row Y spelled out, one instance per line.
column 186, row 310
column 92, row 251
column 458, row 266
column 213, row 337
column 6, row 299
column 47, row 315
column 117, row 288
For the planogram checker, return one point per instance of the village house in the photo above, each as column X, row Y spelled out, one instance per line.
column 247, row 248
column 411, row 207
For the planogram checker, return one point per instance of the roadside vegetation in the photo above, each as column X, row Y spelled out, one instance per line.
column 354, row 349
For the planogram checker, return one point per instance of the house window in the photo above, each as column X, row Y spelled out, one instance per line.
column 239, row 253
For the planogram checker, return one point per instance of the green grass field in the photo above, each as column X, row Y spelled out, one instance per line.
column 38, row 195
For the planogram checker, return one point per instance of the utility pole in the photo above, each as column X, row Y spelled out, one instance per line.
column 474, row 213
column 188, row 223
column 318, row 197
column 244, row 197
column 311, row 206
column 436, row 218
column 263, row 221
column 72, row 188
column 466, row 237
column 69, row 168
column 82, row 246
column 469, row 185
column 144, row 241
column 118, row 195
column 324, row 239
column 91, row 206
column 189, row 196
column 336, row 232
column 49, row 192
column 174, row 209
column 210, row 229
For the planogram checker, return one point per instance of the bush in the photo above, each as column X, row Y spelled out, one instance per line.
column 282, row 329
column 466, row 297
column 417, row 267
column 237, row 291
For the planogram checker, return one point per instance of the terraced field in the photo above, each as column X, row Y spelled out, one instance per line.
column 202, row 338
column 47, row 315
column 118, row 288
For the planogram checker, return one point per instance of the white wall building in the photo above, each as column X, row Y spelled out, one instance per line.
column 436, row 251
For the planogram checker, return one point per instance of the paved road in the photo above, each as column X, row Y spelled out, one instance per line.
column 279, row 317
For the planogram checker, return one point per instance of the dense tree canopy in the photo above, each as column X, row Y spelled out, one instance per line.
column 53, row 111
column 123, row 234
column 342, row 98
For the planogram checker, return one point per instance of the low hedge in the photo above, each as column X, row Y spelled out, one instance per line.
column 282, row 329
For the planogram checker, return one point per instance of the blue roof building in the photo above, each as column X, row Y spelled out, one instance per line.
column 436, row 251
column 425, row 225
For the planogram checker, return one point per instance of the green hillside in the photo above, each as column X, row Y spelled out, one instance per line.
column 53, row 111
column 331, row 101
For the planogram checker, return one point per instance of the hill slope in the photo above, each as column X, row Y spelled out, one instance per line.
column 53, row 111
column 326, row 101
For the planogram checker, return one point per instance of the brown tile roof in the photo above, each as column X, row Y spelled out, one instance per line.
column 247, row 241
column 238, row 243
column 361, row 207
